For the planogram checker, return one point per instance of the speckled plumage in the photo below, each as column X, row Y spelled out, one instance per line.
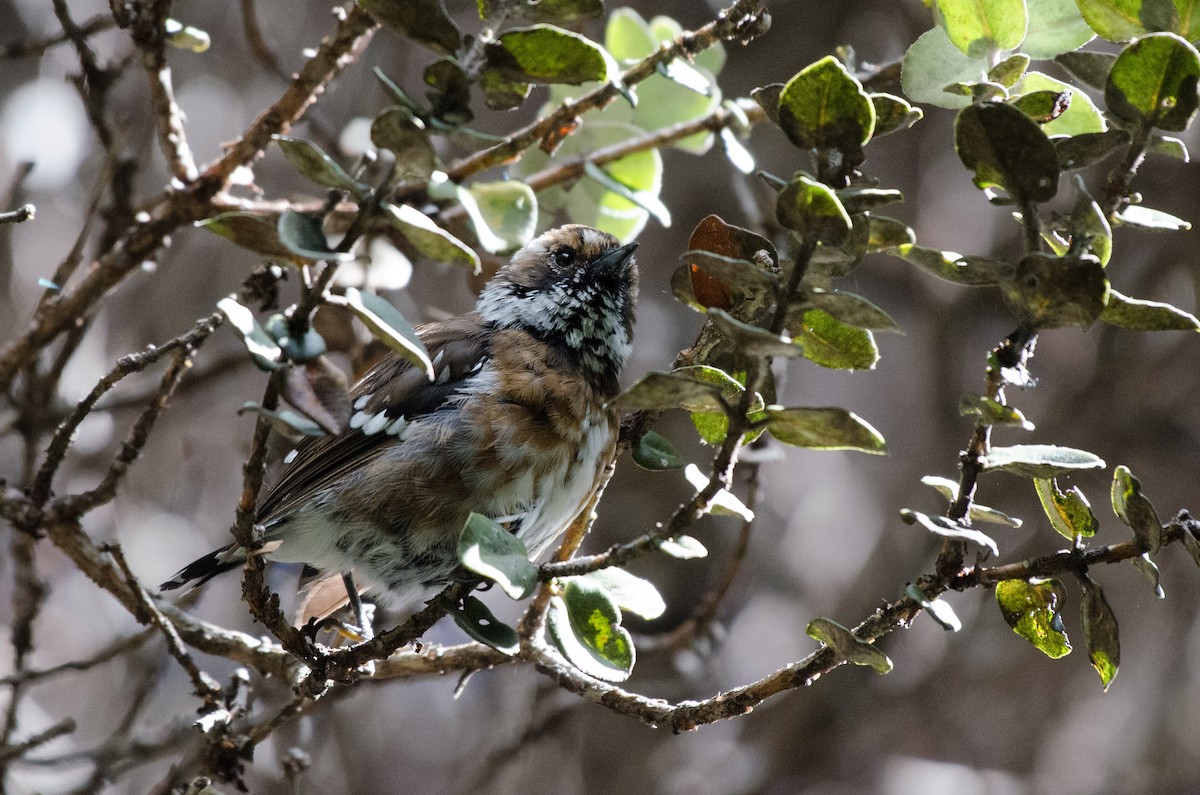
column 513, row 426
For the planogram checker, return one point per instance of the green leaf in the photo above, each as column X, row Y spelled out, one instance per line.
column 683, row 548
column 655, row 453
column 824, row 429
column 825, row 107
column 1032, row 610
column 389, row 327
column 1082, row 116
column 491, row 551
column 724, row 503
column 982, row 27
column 893, row 114
column 698, row 388
column 1135, row 510
column 738, row 155
column 954, row 267
column 932, row 63
column 1100, row 631
column 886, row 233
column 1169, row 146
column 1040, row 460
column 847, row 645
column 1153, row 82
column 1121, row 20
column 301, row 234
column 449, row 91
column 1147, row 218
column 1069, row 512
column 310, row 161
column 404, row 136
column 501, row 92
column 429, row 238
column 509, row 210
column 686, row 76
column 831, row 343
column 285, row 422
column 627, row 36
column 1006, row 149
column 589, row 202
column 948, row 528
column 1191, row 542
column 593, row 621
column 851, row 309
column 252, row 233
column 992, row 412
column 477, row 620
column 752, row 340
column 1043, row 106
column 1133, row 313
column 630, row 592
column 978, row 513
column 561, row 11
column 937, row 609
column 1054, row 292
column 307, row 348
column 858, row 200
column 646, row 199
column 1090, row 68
column 1055, row 26
column 1087, row 149
column 1090, row 230
column 1010, row 70
column 548, row 54
column 424, row 21
column 1149, row 568
column 262, row 347
column 186, row 37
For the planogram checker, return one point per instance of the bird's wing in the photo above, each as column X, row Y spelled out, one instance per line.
column 391, row 392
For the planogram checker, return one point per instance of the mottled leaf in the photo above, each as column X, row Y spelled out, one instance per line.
column 1069, row 512
column 1100, row 631
column 1032, row 610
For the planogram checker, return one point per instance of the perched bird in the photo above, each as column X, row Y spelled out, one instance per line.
column 514, row 426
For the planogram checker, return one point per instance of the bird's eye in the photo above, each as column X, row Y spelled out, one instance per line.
column 563, row 257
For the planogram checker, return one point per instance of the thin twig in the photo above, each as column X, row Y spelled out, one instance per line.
column 110, row 652
column 175, row 208
column 740, row 21
column 11, row 752
column 24, row 213
column 705, row 613
column 37, row 47
column 182, row 346
column 203, row 685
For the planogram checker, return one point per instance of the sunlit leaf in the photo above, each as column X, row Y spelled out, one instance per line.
column 1032, row 610
column 491, row 551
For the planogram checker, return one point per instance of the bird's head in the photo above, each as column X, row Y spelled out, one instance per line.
column 573, row 287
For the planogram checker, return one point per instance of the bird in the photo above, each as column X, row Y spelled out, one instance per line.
column 515, row 424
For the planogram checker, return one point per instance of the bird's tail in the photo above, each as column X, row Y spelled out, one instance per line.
column 203, row 569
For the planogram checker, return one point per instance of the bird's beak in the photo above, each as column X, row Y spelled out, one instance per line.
column 617, row 262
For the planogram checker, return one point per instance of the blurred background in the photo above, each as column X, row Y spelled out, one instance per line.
column 978, row 711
